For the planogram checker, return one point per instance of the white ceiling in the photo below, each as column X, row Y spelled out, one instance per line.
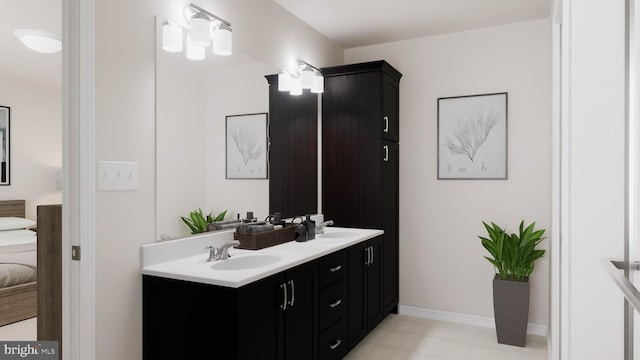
column 349, row 23
column 353, row 23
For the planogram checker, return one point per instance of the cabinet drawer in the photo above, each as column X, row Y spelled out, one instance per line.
column 332, row 303
column 333, row 342
column 332, row 267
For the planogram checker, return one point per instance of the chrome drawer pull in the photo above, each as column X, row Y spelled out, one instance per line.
column 284, row 304
column 338, row 302
column 334, row 269
column 386, row 124
column 334, row 346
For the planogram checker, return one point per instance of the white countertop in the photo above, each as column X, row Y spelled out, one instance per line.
column 195, row 268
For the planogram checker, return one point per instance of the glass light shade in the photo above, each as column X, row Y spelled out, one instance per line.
column 306, row 77
column 41, row 41
column 284, row 81
column 171, row 37
column 318, row 84
column 194, row 52
column 200, row 28
column 296, row 86
column 222, row 40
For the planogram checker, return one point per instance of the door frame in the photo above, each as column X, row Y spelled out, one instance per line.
column 78, row 171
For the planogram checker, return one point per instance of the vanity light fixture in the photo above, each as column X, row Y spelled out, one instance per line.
column 41, row 41
column 204, row 29
column 305, row 76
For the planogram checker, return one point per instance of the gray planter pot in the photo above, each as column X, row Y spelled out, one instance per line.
column 511, row 310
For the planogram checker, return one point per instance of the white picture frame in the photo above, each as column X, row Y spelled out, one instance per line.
column 247, row 146
column 472, row 137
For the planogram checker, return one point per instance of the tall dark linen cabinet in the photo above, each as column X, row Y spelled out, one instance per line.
column 360, row 158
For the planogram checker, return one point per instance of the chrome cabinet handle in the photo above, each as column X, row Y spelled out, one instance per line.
column 386, row 124
column 386, row 152
column 371, row 250
column 284, row 304
column 373, row 258
column 338, row 302
column 366, row 262
column 334, row 269
column 293, row 293
column 334, row 346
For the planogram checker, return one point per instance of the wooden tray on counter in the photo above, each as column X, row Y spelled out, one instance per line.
column 267, row 238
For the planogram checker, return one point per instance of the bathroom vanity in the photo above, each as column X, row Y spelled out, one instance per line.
column 298, row 300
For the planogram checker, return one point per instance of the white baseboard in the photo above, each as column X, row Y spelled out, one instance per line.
column 483, row 321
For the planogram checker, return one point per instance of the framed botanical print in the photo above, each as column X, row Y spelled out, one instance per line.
column 472, row 137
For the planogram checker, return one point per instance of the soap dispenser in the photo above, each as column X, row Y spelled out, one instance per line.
column 311, row 227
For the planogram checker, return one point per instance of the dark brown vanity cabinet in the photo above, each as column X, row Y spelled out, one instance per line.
column 293, row 151
column 364, row 289
column 272, row 319
column 360, row 158
column 333, row 306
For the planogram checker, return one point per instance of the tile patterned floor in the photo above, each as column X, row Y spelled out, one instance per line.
column 401, row 337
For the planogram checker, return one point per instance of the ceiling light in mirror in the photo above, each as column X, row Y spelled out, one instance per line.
column 284, row 81
column 171, row 37
column 41, row 41
column 318, row 84
column 296, row 86
column 306, row 77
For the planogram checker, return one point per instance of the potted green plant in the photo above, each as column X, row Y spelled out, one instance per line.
column 513, row 257
column 197, row 222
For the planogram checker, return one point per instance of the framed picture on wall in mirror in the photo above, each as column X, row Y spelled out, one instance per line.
column 246, row 146
column 472, row 137
column 5, row 115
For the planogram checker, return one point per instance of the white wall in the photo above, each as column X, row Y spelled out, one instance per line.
column 125, row 131
column 593, row 175
column 442, row 265
column 36, row 144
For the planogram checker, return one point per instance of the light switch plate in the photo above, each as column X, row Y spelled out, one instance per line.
column 117, row 175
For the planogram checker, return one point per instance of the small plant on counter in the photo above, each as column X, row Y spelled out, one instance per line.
column 513, row 255
column 197, row 222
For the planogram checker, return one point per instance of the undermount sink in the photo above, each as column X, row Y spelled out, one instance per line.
column 246, row 262
column 337, row 234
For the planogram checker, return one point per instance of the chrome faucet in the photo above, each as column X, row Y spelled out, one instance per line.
column 222, row 252
column 322, row 225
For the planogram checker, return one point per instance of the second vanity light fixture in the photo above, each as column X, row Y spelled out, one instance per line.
column 304, row 76
column 204, row 29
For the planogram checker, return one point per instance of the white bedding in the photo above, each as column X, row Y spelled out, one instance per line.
column 18, row 257
column 12, row 241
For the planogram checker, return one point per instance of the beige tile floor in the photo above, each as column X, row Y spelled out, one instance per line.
column 401, row 337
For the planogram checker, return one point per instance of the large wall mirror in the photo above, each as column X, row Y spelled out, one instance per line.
column 193, row 99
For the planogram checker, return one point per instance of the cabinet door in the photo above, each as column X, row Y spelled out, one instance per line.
column 258, row 318
column 356, row 292
column 351, row 175
column 390, row 109
column 299, row 333
column 374, row 283
column 390, row 210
